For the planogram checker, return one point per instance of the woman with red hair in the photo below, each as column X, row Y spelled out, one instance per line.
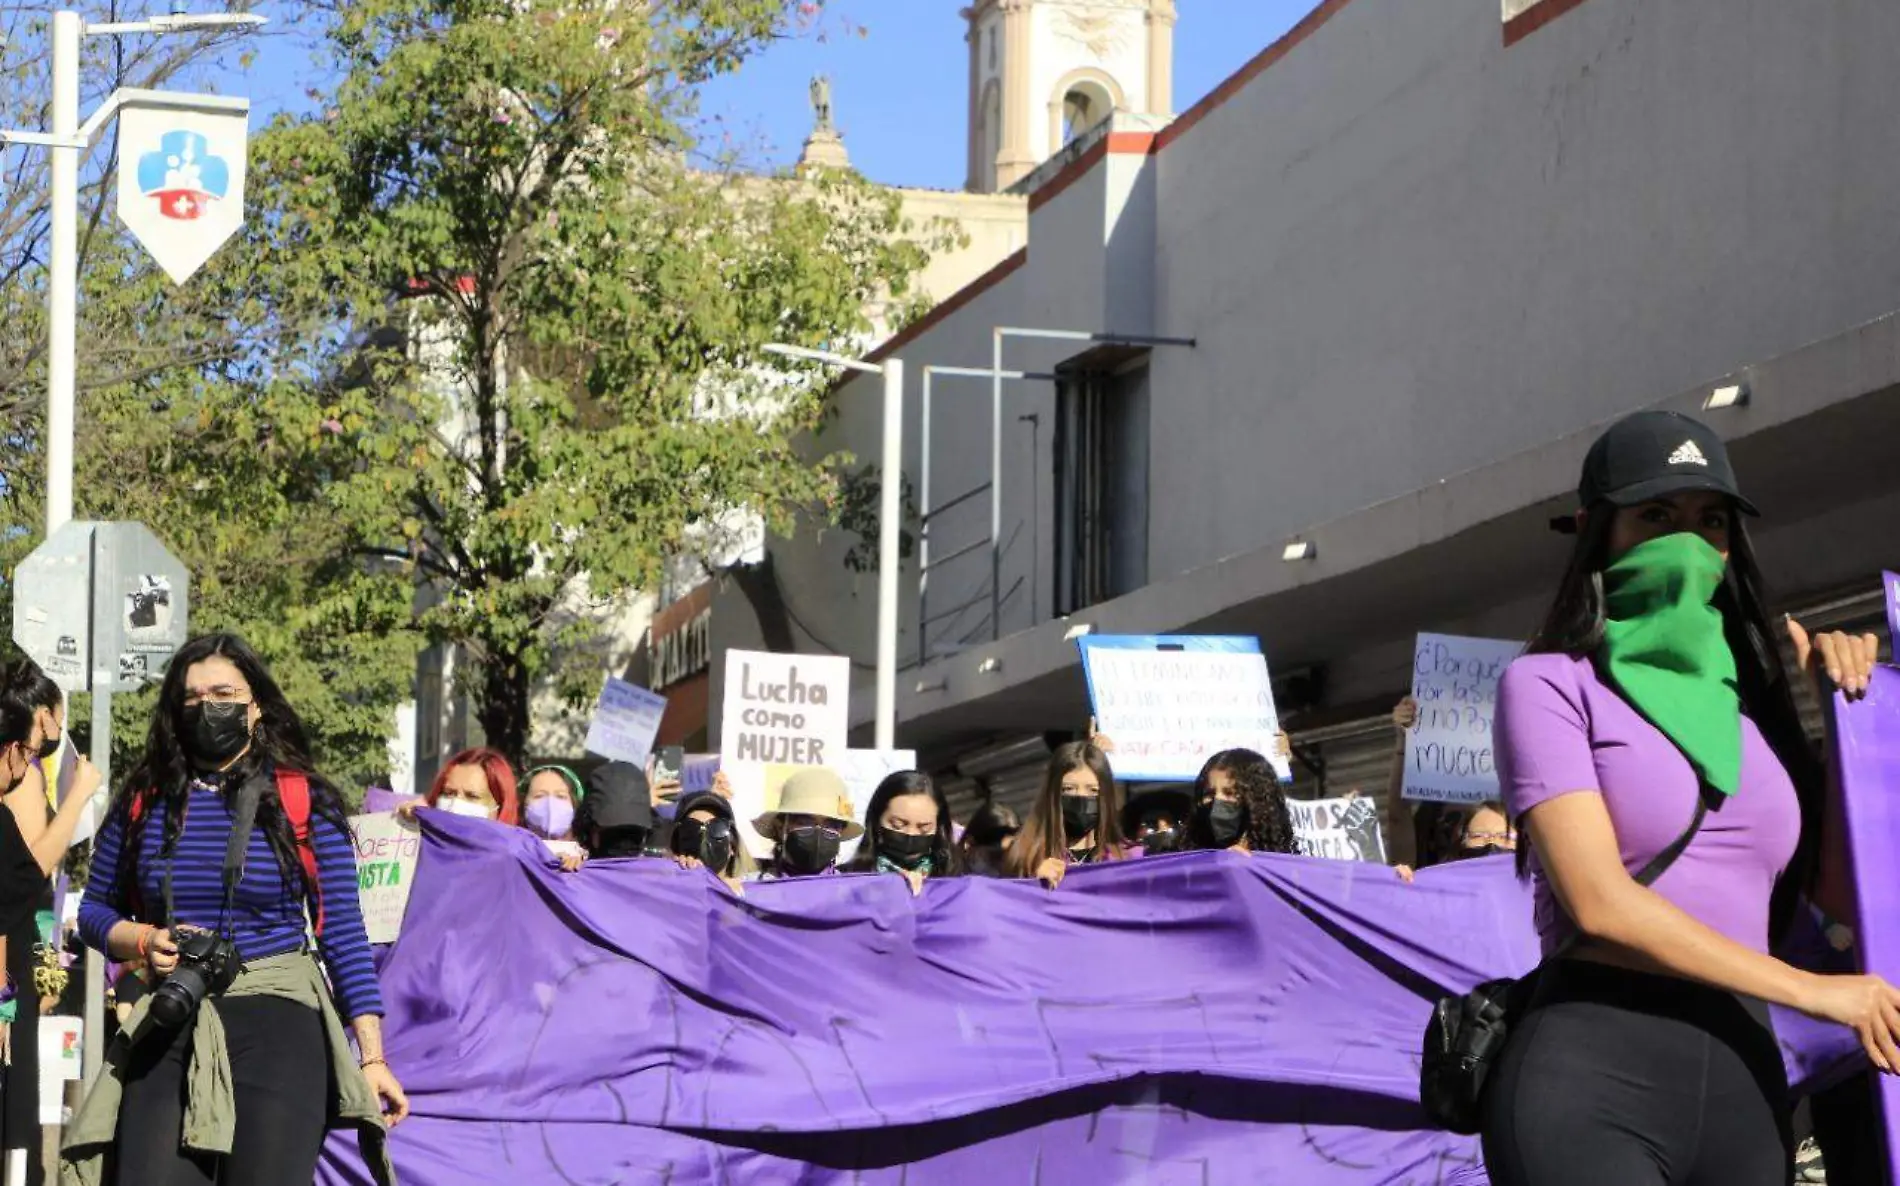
column 478, row 783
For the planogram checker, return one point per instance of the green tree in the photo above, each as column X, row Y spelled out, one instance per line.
column 587, row 289
column 201, row 412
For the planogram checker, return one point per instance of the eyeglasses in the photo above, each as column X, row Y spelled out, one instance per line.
column 218, row 694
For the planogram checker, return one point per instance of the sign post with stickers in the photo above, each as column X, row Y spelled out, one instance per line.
column 101, row 607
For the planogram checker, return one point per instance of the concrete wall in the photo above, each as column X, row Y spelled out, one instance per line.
column 1407, row 250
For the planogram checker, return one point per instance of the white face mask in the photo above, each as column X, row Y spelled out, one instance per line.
column 467, row 807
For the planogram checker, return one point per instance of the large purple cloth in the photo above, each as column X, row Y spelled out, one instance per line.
column 1867, row 755
column 1204, row 1018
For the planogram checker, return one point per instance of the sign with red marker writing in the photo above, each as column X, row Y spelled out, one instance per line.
column 1448, row 756
column 1171, row 702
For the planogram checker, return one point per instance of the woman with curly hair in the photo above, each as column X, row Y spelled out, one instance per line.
column 1239, row 806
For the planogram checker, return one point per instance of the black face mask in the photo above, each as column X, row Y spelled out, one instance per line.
column 1224, row 821
column 621, row 842
column 216, row 733
column 903, row 849
column 710, row 842
column 1487, row 850
column 1080, row 815
column 809, row 849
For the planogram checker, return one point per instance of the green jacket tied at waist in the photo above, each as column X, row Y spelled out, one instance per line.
column 211, row 1104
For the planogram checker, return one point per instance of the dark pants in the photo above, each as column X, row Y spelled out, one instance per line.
column 280, row 1069
column 1637, row 1080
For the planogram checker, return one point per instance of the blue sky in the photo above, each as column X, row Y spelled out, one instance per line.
column 898, row 90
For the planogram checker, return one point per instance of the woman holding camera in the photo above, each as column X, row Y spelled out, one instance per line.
column 223, row 847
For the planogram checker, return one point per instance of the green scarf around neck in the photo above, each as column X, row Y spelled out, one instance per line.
column 1664, row 650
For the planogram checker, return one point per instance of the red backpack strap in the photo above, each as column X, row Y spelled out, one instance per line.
column 293, row 790
column 135, row 815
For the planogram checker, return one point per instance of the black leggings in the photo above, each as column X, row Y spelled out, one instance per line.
column 1638, row 1080
column 280, row 1070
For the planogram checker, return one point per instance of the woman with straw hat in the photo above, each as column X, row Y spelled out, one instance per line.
column 812, row 819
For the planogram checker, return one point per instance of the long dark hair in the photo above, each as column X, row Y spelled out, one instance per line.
column 945, row 861
column 24, row 683
column 1575, row 626
column 1269, row 821
column 1041, row 837
column 162, row 777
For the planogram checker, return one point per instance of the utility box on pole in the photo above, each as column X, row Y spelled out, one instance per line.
column 101, row 607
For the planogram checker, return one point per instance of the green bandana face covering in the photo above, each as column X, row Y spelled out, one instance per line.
column 1664, row 650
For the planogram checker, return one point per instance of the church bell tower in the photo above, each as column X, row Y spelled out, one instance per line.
column 1043, row 72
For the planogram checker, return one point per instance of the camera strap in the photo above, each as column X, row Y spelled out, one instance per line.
column 243, row 822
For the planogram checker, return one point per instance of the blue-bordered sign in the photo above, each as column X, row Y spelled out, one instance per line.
column 1169, row 702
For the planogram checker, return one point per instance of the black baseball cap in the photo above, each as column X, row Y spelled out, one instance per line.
column 618, row 796
column 1652, row 454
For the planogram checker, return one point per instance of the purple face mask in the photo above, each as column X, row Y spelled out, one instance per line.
column 550, row 817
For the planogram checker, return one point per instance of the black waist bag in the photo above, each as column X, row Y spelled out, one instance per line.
column 1467, row 1033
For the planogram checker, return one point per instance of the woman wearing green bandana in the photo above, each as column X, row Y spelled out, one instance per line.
column 1645, row 1055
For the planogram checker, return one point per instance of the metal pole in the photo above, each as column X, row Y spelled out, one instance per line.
column 93, row 1048
column 890, row 519
column 996, row 485
column 62, row 280
column 923, row 532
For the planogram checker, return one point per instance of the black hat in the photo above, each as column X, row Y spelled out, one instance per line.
column 711, row 801
column 1178, row 803
column 618, row 796
column 1652, row 454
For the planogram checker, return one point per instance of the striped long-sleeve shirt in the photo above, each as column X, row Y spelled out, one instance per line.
column 267, row 912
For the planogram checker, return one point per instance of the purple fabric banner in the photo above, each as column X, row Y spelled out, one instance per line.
column 1890, row 585
column 1204, row 1018
column 377, row 799
column 1867, row 750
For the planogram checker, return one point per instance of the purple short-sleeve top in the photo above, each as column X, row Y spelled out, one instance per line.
column 1561, row 731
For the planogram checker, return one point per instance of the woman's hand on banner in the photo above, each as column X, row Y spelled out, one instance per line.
column 1050, row 871
column 916, row 879
column 1847, row 660
column 1867, row 1005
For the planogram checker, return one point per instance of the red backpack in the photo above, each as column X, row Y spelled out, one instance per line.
column 293, row 790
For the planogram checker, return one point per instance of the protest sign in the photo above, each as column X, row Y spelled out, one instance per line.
column 1455, row 683
column 790, row 710
column 60, row 1063
column 696, row 773
column 386, row 851
column 1343, row 829
column 625, row 720
column 1171, row 702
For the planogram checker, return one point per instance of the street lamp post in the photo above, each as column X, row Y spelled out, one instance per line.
column 68, row 141
column 890, row 520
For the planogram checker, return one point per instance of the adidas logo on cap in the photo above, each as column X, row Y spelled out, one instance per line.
column 1689, row 454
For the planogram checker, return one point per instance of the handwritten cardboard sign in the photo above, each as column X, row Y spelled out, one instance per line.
column 1171, row 702
column 1344, row 829
column 1448, row 757
column 625, row 721
column 386, row 850
column 789, row 710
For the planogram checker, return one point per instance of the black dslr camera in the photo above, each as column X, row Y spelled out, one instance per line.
column 208, row 964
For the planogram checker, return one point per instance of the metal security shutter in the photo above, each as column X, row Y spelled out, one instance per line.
column 1009, row 773
column 1352, row 755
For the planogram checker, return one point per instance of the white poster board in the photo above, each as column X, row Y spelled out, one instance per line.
column 1170, row 702
column 1345, row 829
column 785, row 710
column 1448, row 756
column 60, row 1062
column 625, row 721
column 386, row 850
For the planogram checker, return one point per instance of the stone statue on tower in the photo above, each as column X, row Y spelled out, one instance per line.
column 821, row 103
